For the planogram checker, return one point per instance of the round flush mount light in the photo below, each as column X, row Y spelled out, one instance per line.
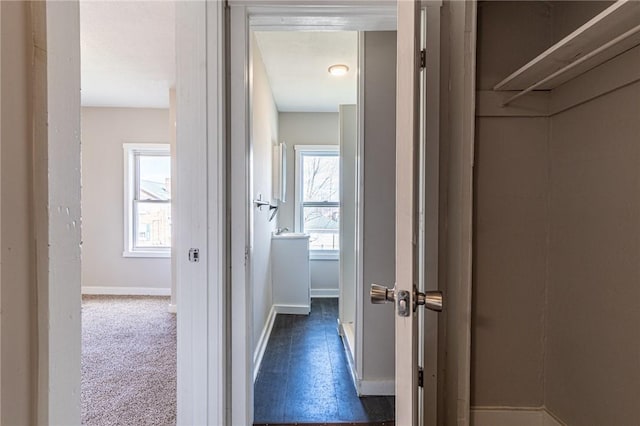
column 338, row 69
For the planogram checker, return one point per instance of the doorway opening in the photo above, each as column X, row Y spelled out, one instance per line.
column 308, row 265
column 128, row 165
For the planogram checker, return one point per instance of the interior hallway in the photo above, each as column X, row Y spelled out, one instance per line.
column 305, row 377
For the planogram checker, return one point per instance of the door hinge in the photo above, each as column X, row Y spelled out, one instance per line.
column 423, row 58
column 420, row 377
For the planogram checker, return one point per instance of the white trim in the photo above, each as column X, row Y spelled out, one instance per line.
column 126, row 291
column 360, row 152
column 172, row 308
column 331, row 255
column 328, row 147
column 241, row 357
column 148, row 254
column 347, row 333
column 407, row 118
column 292, row 309
column 128, row 166
column 202, row 371
column 319, row 293
column 430, row 205
column 261, row 346
column 56, row 211
column 341, row 15
column 509, row 416
column 216, row 286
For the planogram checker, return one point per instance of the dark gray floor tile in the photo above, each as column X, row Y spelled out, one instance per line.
column 271, row 389
column 305, row 377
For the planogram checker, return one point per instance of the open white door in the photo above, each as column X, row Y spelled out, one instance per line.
column 407, row 139
column 410, row 162
column 418, row 165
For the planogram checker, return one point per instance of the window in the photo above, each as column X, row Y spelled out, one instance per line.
column 147, row 200
column 318, row 198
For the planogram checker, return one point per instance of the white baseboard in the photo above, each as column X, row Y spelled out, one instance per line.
column 363, row 387
column 511, row 416
column 173, row 308
column 325, row 292
column 263, row 341
column 292, row 309
column 126, row 291
column 345, row 330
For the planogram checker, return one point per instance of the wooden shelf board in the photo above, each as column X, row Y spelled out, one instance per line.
column 622, row 16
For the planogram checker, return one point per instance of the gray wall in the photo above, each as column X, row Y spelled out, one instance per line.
column 264, row 135
column 379, row 206
column 18, row 282
column 308, row 128
column 104, row 130
column 510, row 218
column 592, row 351
column 303, row 128
column 348, row 211
column 556, row 313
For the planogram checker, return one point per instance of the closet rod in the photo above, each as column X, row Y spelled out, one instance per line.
column 572, row 65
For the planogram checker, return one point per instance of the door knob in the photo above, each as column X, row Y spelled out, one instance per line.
column 431, row 300
column 381, row 294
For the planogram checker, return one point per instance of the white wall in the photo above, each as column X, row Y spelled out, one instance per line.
column 308, row 128
column 264, row 135
column 104, row 130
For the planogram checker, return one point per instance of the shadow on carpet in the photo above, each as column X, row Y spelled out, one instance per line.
column 128, row 361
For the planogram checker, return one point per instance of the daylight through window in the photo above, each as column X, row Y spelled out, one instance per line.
column 319, row 198
column 147, row 200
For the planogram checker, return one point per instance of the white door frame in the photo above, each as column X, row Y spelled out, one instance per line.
column 57, row 216
column 202, row 378
column 249, row 15
column 201, row 175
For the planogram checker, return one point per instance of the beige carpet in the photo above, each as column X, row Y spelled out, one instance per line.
column 128, row 361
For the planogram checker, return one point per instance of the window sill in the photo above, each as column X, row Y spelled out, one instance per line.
column 323, row 256
column 148, row 254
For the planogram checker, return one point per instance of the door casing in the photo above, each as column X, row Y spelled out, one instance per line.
column 260, row 15
column 202, row 320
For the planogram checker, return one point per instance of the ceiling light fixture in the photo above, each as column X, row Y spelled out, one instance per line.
column 338, row 69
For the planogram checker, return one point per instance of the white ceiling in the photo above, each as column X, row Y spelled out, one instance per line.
column 297, row 65
column 127, row 53
column 128, row 59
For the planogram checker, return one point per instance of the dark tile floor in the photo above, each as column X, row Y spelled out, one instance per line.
column 305, row 378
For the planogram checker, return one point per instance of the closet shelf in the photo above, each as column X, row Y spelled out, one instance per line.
column 610, row 33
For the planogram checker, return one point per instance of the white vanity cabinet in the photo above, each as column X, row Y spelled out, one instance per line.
column 290, row 273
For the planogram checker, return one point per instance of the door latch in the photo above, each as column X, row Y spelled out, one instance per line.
column 404, row 303
column 194, row 255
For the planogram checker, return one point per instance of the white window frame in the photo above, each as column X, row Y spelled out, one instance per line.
column 130, row 152
column 299, row 151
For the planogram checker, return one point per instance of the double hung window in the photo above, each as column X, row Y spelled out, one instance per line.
column 318, row 198
column 147, row 212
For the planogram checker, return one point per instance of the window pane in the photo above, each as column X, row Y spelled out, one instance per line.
column 322, row 225
column 153, row 225
column 321, row 178
column 155, row 177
